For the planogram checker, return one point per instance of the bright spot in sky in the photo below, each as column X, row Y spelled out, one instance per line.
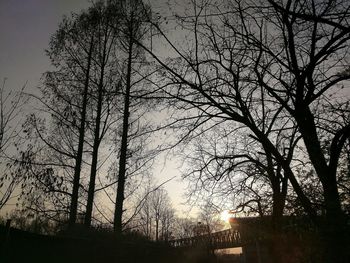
column 225, row 216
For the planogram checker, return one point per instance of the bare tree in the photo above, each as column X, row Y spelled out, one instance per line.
column 106, row 38
column 267, row 66
column 74, row 102
column 72, row 48
column 184, row 228
column 132, row 28
column 156, row 217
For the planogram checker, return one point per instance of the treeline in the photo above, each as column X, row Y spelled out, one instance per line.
column 88, row 136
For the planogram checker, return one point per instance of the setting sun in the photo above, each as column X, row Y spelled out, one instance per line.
column 226, row 215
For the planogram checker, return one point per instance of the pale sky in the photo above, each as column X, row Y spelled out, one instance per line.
column 25, row 30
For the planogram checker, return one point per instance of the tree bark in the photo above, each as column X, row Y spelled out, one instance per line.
column 97, row 140
column 333, row 228
column 77, row 169
column 118, row 212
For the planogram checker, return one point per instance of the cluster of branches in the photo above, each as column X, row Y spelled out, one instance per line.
column 155, row 218
column 258, row 91
column 260, row 87
column 11, row 110
column 87, row 142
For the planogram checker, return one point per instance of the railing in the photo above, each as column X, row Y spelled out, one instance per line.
column 222, row 239
column 245, row 231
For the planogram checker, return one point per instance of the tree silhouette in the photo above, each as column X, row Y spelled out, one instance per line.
column 11, row 106
column 269, row 69
column 132, row 28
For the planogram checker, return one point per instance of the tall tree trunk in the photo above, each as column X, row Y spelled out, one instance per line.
column 118, row 212
column 333, row 228
column 157, row 227
column 97, row 140
column 79, row 157
column 278, row 244
column 327, row 176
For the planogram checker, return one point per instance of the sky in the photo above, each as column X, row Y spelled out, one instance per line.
column 25, row 30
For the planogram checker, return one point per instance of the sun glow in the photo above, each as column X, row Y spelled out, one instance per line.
column 225, row 216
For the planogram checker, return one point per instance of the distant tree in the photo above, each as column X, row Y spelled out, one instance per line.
column 162, row 213
column 184, row 228
column 167, row 220
column 205, row 223
column 156, row 215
